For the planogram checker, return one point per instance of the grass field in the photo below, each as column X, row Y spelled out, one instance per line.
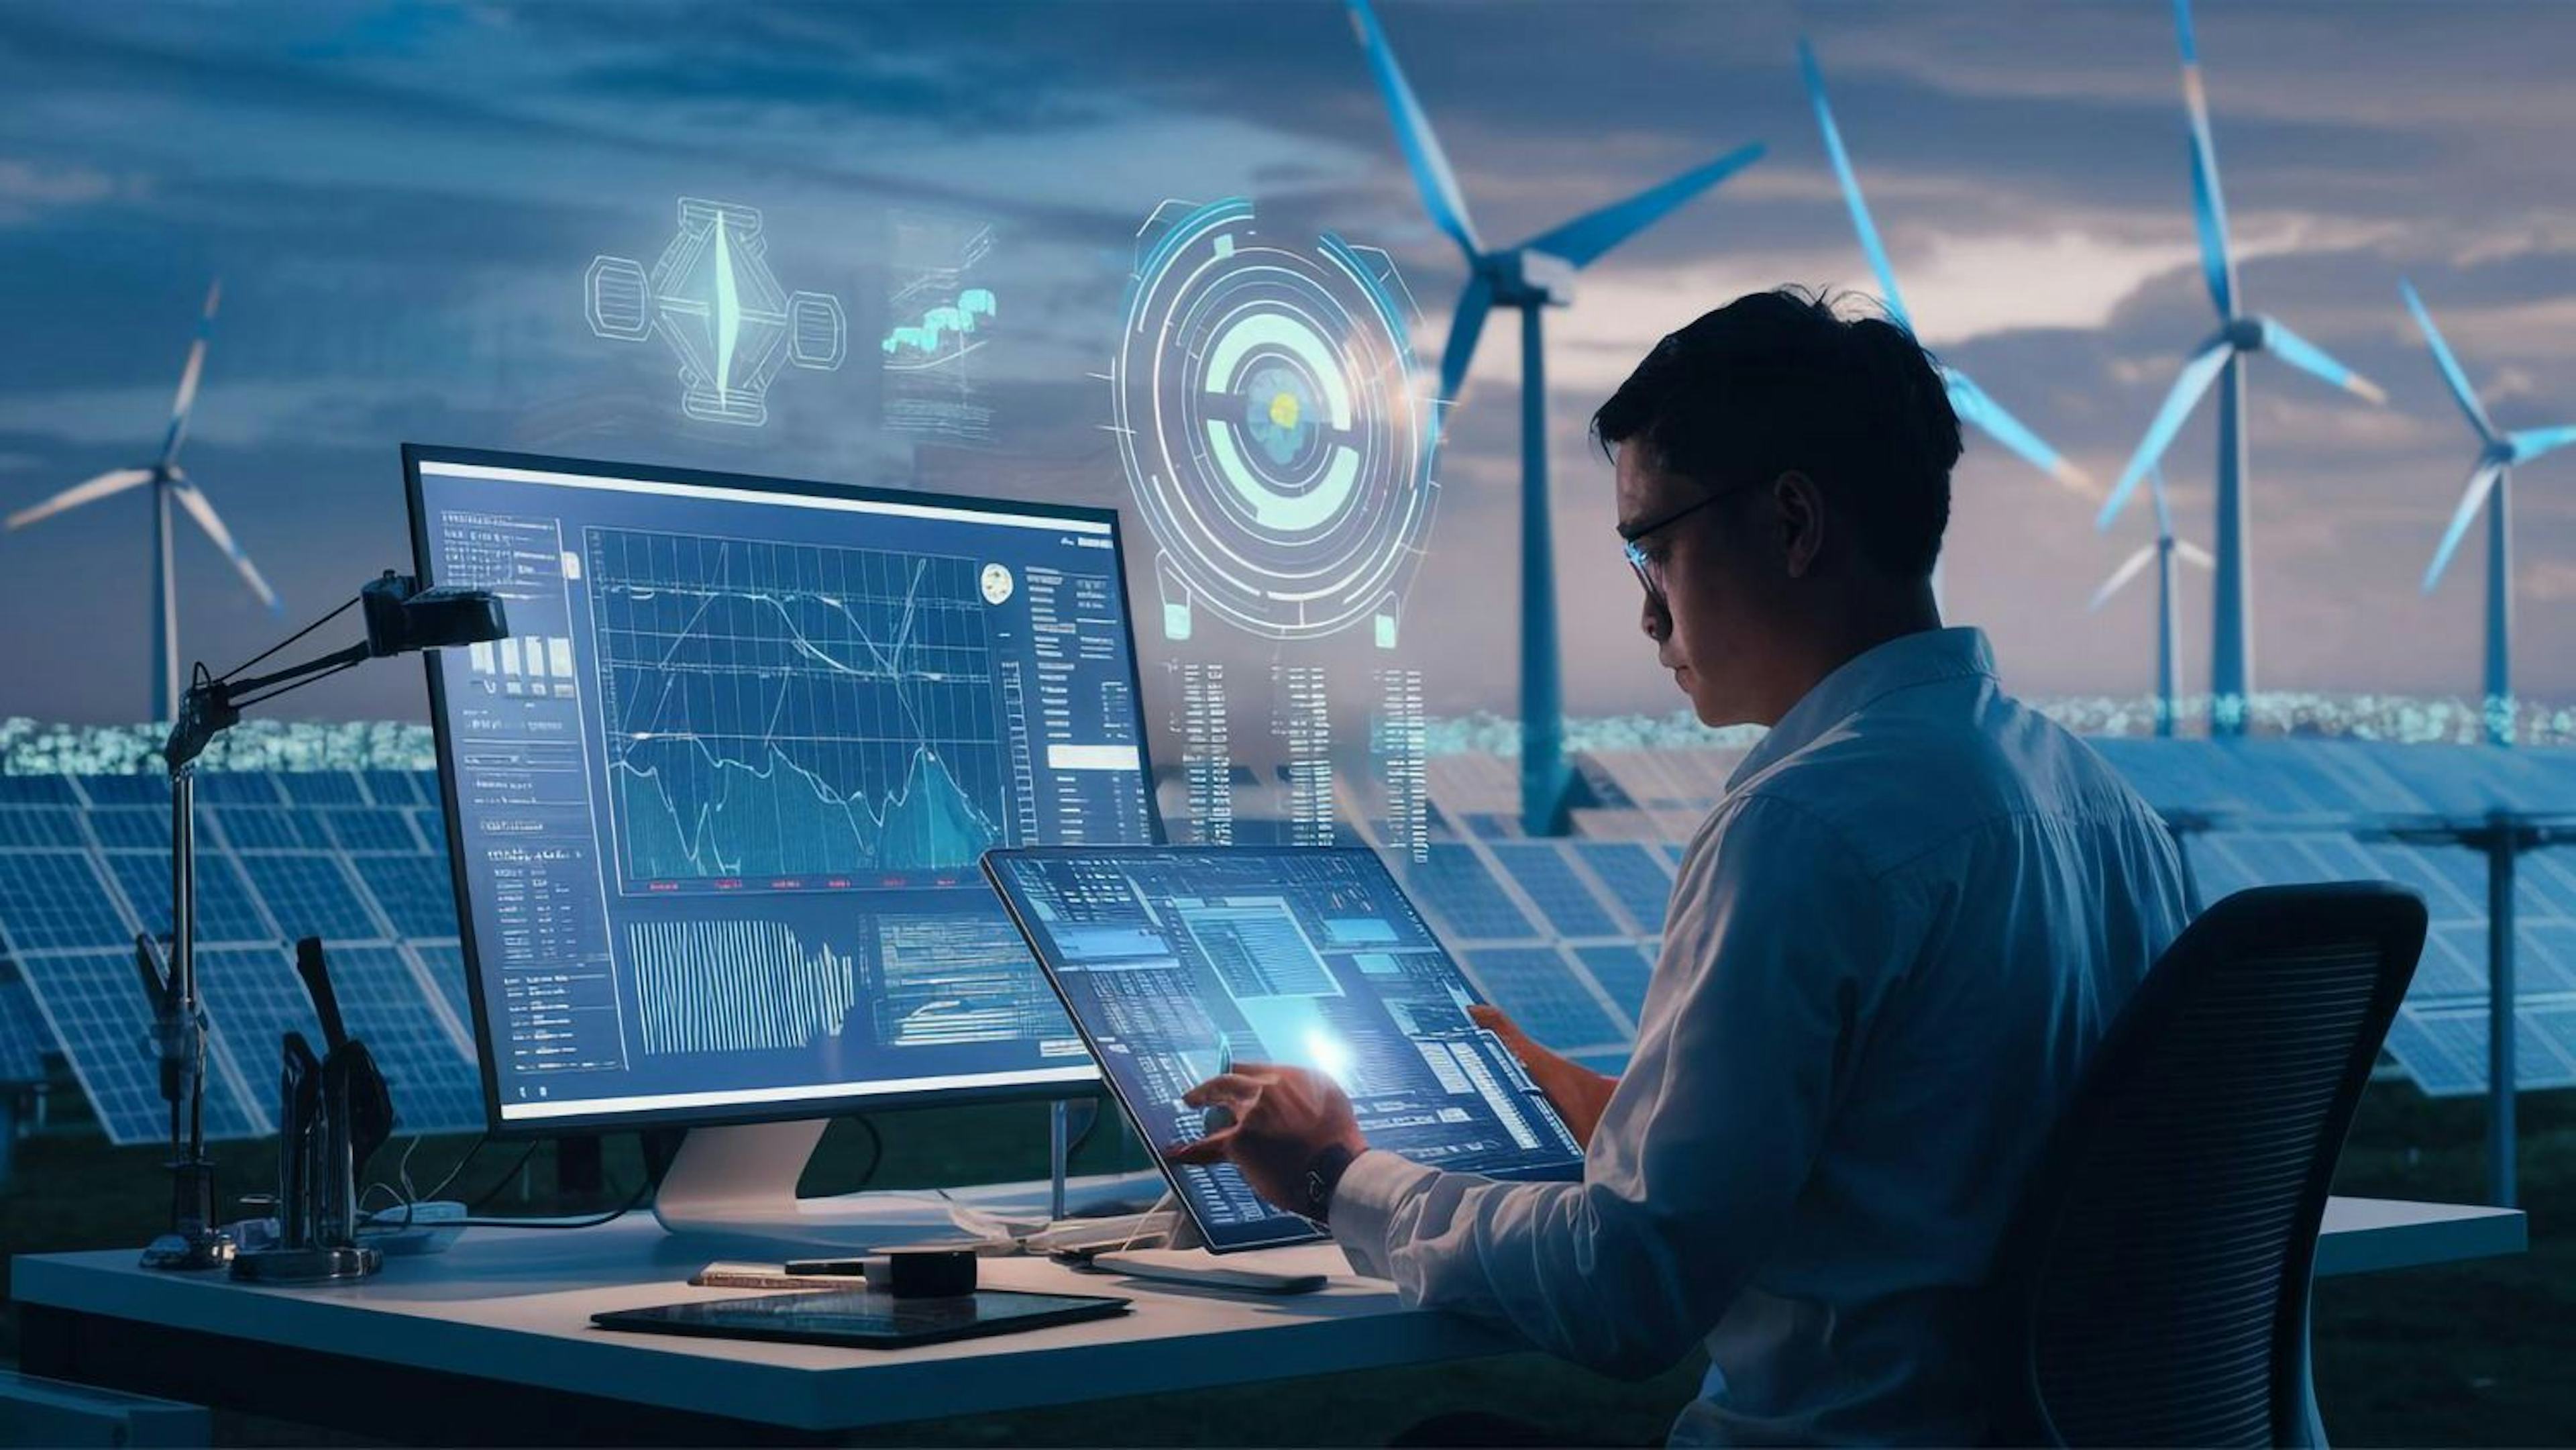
column 2483, row 1354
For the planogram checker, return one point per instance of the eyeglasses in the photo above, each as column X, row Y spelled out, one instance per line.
column 1650, row 569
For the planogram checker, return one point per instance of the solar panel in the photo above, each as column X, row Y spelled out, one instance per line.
column 141, row 828
column 396, row 787
column 94, row 1003
column 125, row 790
column 225, row 910
column 238, row 787
column 38, row 826
column 320, row 787
column 2454, row 963
column 1456, row 886
column 1638, row 879
column 54, row 899
column 24, row 1037
column 309, row 895
column 1623, row 971
column 444, row 964
column 266, row 828
column 2545, row 956
column 438, row 1087
column 433, row 830
column 2445, row 1048
column 1545, row 997
column 37, row 790
column 416, row 893
column 1547, row 878
column 254, row 998
column 369, row 828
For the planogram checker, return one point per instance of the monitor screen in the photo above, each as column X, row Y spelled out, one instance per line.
column 1177, row 962
column 716, row 804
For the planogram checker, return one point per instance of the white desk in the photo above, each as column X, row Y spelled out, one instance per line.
column 501, row 1324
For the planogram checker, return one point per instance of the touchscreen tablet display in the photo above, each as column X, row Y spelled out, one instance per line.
column 1177, row 962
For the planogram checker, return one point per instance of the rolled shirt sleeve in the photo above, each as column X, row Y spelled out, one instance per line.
column 1777, row 945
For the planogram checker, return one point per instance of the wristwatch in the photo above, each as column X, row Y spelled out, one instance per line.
column 1323, row 1175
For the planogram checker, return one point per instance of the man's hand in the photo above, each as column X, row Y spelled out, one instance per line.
column 1282, row 1118
column 1580, row 1094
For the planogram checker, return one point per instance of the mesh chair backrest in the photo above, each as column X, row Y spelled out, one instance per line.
column 2155, row 1282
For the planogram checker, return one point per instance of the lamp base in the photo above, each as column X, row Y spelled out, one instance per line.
column 195, row 1247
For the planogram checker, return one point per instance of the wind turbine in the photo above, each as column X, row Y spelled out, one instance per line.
column 2162, row 553
column 1972, row 403
column 2220, row 360
column 2492, row 474
column 1537, row 273
column 169, row 482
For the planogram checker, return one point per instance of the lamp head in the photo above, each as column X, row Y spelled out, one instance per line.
column 402, row 617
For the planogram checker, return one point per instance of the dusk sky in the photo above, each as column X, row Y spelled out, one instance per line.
column 401, row 202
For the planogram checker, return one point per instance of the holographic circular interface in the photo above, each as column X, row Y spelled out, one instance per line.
column 1265, row 410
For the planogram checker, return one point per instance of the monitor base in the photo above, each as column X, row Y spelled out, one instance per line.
column 739, row 1182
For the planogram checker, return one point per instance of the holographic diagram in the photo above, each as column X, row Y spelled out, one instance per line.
column 713, row 298
column 1262, row 396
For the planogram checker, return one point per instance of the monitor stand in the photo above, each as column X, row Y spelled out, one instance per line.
column 739, row 1181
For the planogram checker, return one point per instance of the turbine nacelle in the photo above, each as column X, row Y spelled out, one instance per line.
column 1528, row 277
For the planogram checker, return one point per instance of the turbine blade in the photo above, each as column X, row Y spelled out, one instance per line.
column 186, row 401
column 2194, row 555
column 2306, row 356
column 204, row 513
column 2209, row 208
column 113, row 481
column 1583, row 240
column 1421, row 146
column 2452, row 373
column 2196, row 376
column 2482, row 481
column 1870, row 244
column 2130, row 568
column 2530, row 443
column 1465, row 326
column 1975, row 405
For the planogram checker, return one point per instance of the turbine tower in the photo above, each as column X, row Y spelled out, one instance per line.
column 2162, row 553
column 169, row 483
column 2491, row 475
column 1972, row 403
column 1537, row 273
column 2221, row 360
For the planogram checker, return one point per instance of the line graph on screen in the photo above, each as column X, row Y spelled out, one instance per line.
column 794, row 714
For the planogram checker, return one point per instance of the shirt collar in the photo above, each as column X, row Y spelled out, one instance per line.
column 1901, row 663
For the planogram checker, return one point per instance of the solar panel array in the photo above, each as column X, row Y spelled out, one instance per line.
column 355, row 857
column 2315, row 792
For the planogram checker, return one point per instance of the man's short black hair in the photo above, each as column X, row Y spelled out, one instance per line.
column 1775, row 382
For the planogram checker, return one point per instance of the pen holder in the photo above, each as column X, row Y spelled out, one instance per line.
column 319, row 1102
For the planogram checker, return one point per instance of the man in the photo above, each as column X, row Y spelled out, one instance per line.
column 1890, row 949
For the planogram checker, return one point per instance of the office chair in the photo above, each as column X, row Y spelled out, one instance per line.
column 2153, row 1289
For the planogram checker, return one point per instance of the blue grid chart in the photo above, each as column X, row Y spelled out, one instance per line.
column 1541, row 871
column 94, row 1003
column 1637, row 876
column 24, row 1038
column 1462, row 894
column 388, row 1008
column 1547, row 998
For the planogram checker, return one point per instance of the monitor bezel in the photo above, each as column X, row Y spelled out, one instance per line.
column 995, row 858
column 414, row 455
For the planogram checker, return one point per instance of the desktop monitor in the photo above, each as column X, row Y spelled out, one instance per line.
column 715, row 807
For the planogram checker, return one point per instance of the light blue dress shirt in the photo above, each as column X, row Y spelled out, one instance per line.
column 1890, row 950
